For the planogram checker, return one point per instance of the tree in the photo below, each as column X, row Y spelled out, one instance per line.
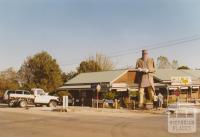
column 163, row 63
column 41, row 71
column 96, row 63
column 8, row 80
column 88, row 66
column 184, row 68
column 68, row 76
column 104, row 62
column 175, row 64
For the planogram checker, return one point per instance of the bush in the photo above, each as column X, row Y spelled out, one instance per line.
column 110, row 95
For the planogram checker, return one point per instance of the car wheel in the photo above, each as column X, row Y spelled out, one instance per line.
column 53, row 104
column 11, row 103
column 23, row 104
column 38, row 105
column 172, row 112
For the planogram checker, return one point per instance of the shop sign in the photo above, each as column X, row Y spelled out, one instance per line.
column 181, row 81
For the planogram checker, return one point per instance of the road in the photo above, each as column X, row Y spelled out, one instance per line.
column 16, row 124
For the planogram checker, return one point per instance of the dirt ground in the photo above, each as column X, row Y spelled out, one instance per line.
column 40, row 122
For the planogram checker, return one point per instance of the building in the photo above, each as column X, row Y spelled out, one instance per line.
column 83, row 88
column 185, row 83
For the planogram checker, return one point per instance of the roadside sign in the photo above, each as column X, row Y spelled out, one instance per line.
column 65, row 102
column 177, row 93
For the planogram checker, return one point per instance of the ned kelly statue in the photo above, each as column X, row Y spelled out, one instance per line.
column 146, row 70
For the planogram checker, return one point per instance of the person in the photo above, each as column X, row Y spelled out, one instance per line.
column 146, row 68
column 160, row 100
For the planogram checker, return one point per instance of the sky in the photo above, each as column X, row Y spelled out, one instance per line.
column 72, row 30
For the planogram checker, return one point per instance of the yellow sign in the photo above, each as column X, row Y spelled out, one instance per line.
column 181, row 81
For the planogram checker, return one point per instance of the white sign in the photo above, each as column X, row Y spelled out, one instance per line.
column 65, row 102
column 181, row 81
column 119, row 85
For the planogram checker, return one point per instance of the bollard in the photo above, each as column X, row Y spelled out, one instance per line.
column 116, row 104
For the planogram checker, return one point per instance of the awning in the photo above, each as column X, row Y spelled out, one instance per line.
column 173, row 88
column 184, row 88
column 119, row 89
column 75, row 87
column 195, row 87
column 119, row 85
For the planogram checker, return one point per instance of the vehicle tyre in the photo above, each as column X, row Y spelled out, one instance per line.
column 172, row 112
column 38, row 105
column 23, row 104
column 11, row 103
column 53, row 104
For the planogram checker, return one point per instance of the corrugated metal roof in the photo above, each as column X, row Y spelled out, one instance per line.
column 96, row 77
column 166, row 74
column 109, row 76
column 76, row 87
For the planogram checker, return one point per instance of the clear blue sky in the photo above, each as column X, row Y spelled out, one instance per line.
column 71, row 30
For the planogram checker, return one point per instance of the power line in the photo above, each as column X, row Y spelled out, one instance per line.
column 156, row 44
column 167, row 44
column 138, row 49
column 158, row 47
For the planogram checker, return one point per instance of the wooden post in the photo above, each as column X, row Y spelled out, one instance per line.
column 116, row 104
column 167, row 96
column 73, row 102
column 198, row 94
column 191, row 89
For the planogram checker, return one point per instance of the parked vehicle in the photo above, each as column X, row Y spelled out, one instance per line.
column 37, row 97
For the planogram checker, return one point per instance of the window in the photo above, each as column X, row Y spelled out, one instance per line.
column 19, row 92
column 26, row 93
column 11, row 92
column 40, row 92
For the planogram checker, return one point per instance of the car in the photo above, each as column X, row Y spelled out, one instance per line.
column 36, row 96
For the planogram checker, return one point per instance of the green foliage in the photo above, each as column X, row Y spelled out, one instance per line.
column 184, row 67
column 68, row 76
column 88, row 66
column 41, row 71
column 8, row 80
column 60, row 94
column 94, row 64
column 111, row 95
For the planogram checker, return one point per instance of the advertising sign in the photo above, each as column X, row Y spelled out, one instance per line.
column 65, row 102
column 181, row 81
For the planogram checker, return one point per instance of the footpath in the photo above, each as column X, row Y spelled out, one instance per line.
column 83, row 111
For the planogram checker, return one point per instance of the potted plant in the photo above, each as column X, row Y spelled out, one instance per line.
column 149, row 105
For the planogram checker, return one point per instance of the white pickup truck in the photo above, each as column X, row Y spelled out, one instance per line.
column 37, row 97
